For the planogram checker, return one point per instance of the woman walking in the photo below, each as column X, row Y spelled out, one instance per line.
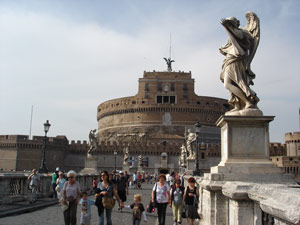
column 190, row 200
column 60, row 185
column 177, row 192
column 106, row 189
column 71, row 195
column 161, row 194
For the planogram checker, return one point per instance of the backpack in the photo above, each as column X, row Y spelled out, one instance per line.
column 173, row 190
column 137, row 214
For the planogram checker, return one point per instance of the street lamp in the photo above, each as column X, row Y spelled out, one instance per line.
column 115, row 155
column 197, row 172
column 43, row 168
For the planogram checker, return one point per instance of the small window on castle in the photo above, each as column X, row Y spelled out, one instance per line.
column 158, row 99
column 146, row 95
column 199, row 103
column 185, row 88
column 143, row 102
column 172, row 88
column 117, row 104
column 166, row 99
column 187, row 102
column 133, row 102
column 146, row 87
column 159, row 87
column 172, row 99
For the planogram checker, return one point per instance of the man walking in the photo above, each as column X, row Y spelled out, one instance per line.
column 122, row 187
column 34, row 185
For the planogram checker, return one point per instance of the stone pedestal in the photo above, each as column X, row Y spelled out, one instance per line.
column 245, row 149
column 245, row 177
column 191, row 166
column 126, row 168
column 140, row 169
column 90, row 165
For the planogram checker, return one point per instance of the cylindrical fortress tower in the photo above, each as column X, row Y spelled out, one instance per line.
column 165, row 104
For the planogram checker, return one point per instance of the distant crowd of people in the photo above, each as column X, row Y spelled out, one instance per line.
column 167, row 190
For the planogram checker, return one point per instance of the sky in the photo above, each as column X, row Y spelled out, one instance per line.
column 66, row 57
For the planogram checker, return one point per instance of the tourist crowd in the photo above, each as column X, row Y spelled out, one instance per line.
column 168, row 190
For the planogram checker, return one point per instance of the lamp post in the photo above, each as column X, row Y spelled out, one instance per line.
column 43, row 168
column 198, row 129
column 115, row 155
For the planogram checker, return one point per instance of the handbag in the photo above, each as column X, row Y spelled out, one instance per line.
column 63, row 206
column 108, row 202
column 183, row 214
column 151, row 207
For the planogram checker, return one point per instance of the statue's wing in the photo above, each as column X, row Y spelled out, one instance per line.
column 253, row 28
column 166, row 60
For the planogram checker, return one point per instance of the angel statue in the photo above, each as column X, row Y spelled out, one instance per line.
column 190, row 140
column 126, row 156
column 182, row 159
column 236, row 74
column 140, row 162
column 93, row 141
column 169, row 63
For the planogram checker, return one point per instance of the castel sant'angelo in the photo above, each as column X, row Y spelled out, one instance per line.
column 164, row 107
column 159, row 116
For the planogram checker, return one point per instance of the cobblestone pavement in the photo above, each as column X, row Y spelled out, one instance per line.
column 53, row 215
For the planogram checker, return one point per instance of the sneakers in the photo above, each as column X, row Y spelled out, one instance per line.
column 175, row 223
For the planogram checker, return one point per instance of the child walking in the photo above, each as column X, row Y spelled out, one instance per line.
column 85, row 216
column 138, row 210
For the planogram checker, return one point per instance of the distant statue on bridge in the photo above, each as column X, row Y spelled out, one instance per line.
column 182, row 159
column 190, row 140
column 169, row 63
column 140, row 162
column 236, row 74
column 93, row 142
column 126, row 156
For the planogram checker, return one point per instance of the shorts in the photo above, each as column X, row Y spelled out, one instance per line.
column 85, row 219
column 122, row 195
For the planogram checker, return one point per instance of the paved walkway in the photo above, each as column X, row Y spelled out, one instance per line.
column 52, row 214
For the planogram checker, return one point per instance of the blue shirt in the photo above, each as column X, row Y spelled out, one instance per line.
column 86, row 206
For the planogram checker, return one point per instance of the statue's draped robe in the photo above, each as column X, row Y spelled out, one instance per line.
column 237, row 52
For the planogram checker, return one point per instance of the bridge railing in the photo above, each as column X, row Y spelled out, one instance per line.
column 248, row 203
column 14, row 187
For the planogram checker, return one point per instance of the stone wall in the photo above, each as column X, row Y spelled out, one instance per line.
column 14, row 186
